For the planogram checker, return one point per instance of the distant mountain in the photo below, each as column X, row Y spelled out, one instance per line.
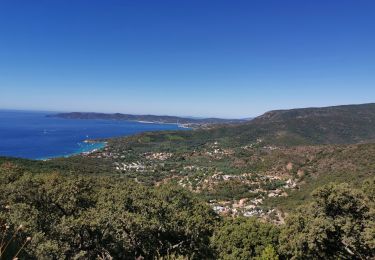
column 327, row 125
column 150, row 118
column 345, row 112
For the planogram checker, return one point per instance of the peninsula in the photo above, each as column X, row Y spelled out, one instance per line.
column 183, row 121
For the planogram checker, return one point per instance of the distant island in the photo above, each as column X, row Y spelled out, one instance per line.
column 182, row 121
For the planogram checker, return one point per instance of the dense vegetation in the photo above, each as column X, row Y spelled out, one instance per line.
column 87, row 217
column 56, row 216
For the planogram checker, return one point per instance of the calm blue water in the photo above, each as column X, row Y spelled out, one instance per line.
column 33, row 135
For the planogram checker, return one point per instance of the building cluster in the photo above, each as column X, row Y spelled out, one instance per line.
column 253, row 207
column 133, row 166
column 158, row 156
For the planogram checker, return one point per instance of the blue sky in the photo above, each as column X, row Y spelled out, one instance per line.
column 196, row 57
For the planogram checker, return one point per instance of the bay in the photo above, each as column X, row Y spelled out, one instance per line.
column 33, row 135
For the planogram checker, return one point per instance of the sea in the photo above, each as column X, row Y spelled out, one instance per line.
column 34, row 135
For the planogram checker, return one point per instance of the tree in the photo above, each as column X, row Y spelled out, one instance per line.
column 244, row 238
column 77, row 217
column 368, row 188
column 337, row 224
column 269, row 253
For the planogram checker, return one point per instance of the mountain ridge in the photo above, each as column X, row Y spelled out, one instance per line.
column 309, row 111
column 326, row 125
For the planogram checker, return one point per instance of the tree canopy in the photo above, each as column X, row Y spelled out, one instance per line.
column 338, row 224
column 58, row 216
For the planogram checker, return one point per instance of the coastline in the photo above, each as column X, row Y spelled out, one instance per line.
column 188, row 125
column 87, row 147
column 37, row 136
column 184, row 126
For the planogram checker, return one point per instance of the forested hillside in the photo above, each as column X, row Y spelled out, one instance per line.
column 328, row 125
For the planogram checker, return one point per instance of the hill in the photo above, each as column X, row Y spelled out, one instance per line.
column 327, row 125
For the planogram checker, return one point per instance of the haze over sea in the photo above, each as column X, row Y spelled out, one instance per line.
column 33, row 135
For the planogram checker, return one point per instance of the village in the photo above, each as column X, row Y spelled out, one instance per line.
column 201, row 180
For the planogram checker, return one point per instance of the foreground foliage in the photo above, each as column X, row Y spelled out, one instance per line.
column 338, row 224
column 57, row 216
column 245, row 238
column 81, row 217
